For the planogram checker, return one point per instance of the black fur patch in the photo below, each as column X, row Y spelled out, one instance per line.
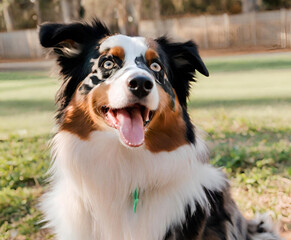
column 200, row 225
column 141, row 63
column 239, row 225
column 183, row 60
column 190, row 136
column 95, row 80
column 166, row 85
column 191, row 228
column 260, row 228
column 218, row 216
column 84, row 89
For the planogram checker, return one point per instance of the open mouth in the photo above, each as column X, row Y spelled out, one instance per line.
column 130, row 121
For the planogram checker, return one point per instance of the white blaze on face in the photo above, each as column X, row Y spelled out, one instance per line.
column 119, row 96
column 132, row 46
column 130, row 125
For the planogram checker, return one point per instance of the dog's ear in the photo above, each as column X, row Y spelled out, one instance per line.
column 183, row 60
column 68, row 39
column 74, row 45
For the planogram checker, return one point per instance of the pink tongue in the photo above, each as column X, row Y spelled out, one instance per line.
column 131, row 127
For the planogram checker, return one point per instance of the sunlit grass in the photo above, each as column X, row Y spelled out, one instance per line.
column 248, row 63
column 247, row 116
column 26, row 103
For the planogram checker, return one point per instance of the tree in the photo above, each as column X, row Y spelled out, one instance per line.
column 133, row 13
column 4, row 5
column 37, row 11
column 128, row 16
column 70, row 10
column 65, row 11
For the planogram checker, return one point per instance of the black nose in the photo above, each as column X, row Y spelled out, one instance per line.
column 140, row 86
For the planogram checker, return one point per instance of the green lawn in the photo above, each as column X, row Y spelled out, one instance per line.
column 26, row 103
column 244, row 109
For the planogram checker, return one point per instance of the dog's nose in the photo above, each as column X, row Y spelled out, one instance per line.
column 140, row 86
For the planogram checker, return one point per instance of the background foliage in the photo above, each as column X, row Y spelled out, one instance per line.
column 25, row 14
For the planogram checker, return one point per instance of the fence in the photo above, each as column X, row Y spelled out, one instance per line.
column 20, row 44
column 269, row 29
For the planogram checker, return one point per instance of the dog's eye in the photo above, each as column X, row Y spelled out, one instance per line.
column 155, row 67
column 108, row 64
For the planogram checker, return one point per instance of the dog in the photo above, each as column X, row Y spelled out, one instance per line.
column 128, row 164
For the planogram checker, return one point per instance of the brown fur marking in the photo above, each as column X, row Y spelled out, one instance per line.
column 83, row 114
column 150, row 55
column 167, row 130
column 117, row 52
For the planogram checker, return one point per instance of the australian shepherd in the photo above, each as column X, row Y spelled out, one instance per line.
column 128, row 164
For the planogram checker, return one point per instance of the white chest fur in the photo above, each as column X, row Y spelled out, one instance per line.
column 93, row 181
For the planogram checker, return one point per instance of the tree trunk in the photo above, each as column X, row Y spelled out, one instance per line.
column 122, row 16
column 134, row 7
column 8, row 18
column 157, row 16
column 156, row 10
column 66, row 11
column 75, row 9
column 38, row 12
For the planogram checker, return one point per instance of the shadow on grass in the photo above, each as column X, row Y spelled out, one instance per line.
column 237, row 102
column 16, row 107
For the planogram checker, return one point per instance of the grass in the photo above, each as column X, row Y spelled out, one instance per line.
column 26, row 103
column 244, row 108
column 246, row 115
column 26, row 112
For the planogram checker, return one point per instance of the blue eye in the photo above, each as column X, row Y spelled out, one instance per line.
column 155, row 67
column 108, row 64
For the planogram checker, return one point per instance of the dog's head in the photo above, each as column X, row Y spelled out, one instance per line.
column 133, row 86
